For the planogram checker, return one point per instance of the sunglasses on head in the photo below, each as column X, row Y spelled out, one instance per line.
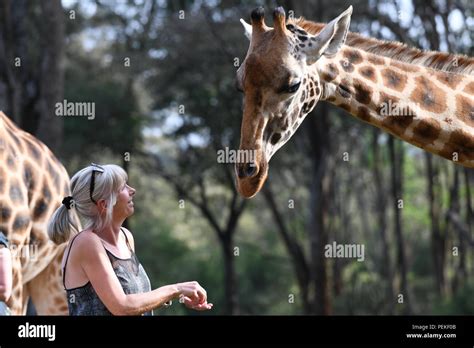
column 97, row 169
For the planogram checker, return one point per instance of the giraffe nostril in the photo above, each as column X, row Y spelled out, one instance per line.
column 246, row 170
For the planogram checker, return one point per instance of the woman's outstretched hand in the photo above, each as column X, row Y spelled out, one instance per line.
column 193, row 296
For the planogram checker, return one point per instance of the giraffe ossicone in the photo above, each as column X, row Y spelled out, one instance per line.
column 420, row 97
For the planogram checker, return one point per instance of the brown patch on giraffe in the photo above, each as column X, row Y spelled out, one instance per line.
column 465, row 110
column 372, row 58
column 41, row 207
column 15, row 193
column 427, row 131
column 11, row 162
column 384, row 101
column 52, row 171
column 33, row 149
column 353, row 56
column 450, row 79
column 393, row 79
column 16, row 140
column 46, row 192
column 304, row 108
column 29, row 178
column 460, row 143
column 21, row 222
column 403, row 66
column 331, row 99
column 363, row 94
column 330, row 73
column 303, row 96
column 58, row 301
column 345, row 106
column 363, row 113
column 275, row 138
column 2, row 179
column 368, row 72
column 5, row 214
column 469, row 89
column 397, row 124
column 428, row 96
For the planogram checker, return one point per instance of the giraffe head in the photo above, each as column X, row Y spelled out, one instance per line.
column 281, row 86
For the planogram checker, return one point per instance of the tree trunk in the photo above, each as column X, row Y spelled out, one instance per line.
column 318, row 133
column 454, row 206
column 438, row 244
column 230, row 291
column 381, row 204
column 396, row 160
column 8, row 70
column 51, row 84
column 295, row 251
column 469, row 211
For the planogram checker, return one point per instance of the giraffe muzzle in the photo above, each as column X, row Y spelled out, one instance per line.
column 250, row 178
column 246, row 170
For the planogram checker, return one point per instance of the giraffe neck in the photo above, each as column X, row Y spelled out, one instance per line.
column 431, row 109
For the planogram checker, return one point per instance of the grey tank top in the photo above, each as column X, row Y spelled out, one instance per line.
column 84, row 300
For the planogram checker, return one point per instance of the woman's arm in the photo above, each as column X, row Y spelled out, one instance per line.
column 5, row 273
column 99, row 271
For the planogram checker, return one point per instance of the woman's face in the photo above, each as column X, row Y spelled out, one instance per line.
column 124, row 206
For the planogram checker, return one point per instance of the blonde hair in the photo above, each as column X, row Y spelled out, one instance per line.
column 107, row 185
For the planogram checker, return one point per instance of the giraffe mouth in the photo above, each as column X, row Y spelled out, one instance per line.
column 250, row 183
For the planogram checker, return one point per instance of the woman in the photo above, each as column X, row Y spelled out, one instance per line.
column 101, row 273
column 5, row 274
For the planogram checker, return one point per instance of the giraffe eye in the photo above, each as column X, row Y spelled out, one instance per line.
column 294, row 87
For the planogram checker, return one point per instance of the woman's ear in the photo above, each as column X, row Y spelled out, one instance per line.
column 102, row 205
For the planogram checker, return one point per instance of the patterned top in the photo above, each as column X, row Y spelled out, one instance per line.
column 84, row 300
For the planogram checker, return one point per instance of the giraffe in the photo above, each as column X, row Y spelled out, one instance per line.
column 424, row 98
column 32, row 185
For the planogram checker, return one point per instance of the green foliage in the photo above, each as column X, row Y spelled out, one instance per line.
column 117, row 123
column 459, row 303
column 363, row 292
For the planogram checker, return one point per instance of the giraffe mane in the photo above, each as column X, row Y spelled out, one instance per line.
column 396, row 50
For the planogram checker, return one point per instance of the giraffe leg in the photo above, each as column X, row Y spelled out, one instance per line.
column 46, row 289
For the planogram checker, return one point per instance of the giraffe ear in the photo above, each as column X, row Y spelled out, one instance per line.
column 247, row 28
column 329, row 40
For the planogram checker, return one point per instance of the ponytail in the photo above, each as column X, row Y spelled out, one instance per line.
column 62, row 226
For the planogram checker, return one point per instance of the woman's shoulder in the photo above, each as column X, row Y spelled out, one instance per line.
column 85, row 245
column 86, row 240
